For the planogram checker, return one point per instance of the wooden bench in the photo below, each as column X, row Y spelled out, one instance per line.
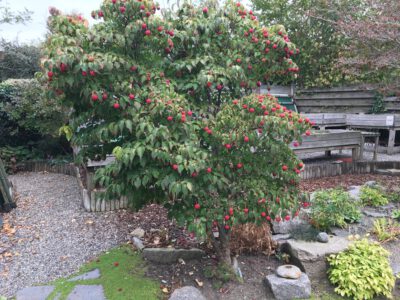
column 327, row 141
column 325, row 120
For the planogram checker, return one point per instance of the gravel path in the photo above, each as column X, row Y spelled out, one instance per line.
column 50, row 234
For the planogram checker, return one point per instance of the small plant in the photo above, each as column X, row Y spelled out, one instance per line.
column 394, row 196
column 333, row 207
column 220, row 274
column 396, row 214
column 362, row 271
column 386, row 229
column 373, row 196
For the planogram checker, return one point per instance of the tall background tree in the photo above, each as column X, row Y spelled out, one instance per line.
column 7, row 16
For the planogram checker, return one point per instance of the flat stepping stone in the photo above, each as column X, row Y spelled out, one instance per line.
column 87, row 276
column 87, row 292
column 171, row 255
column 35, row 293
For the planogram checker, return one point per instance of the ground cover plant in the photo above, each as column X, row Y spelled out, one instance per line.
column 189, row 135
column 362, row 271
column 122, row 276
column 373, row 196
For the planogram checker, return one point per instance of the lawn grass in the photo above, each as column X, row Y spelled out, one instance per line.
column 122, row 277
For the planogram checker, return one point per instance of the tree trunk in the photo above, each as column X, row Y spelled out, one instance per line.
column 221, row 246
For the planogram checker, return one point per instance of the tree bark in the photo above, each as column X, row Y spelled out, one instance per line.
column 221, row 246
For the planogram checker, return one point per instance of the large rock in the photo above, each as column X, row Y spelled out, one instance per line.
column 171, row 255
column 187, row 293
column 354, row 192
column 138, row 232
column 299, row 223
column 289, row 289
column 35, row 293
column 310, row 257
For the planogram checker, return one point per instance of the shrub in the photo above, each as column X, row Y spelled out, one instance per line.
column 396, row 214
column 333, row 207
column 362, row 271
column 373, row 196
column 179, row 135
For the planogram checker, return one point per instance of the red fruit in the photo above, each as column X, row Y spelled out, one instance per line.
column 231, row 211
column 258, row 83
column 308, row 132
column 246, row 139
column 183, row 119
column 278, row 200
column 170, row 118
column 235, row 102
column 306, row 204
column 259, row 130
column 251, row 109
column 160, row 28
column 206, row 129
column 209, row 131
column 273, row 109
column 284, row 168
column 194, row 174
column 278, row 219
column 122, row 9
column 282, row 115
column 238, row 60
column 147, row 32
column 300, row 120
column 50, row 74
column 95, row 97
column 297, row 171
column 131, row 96
column 266, row 113
column 209, row 170
column 92, row 73
column 268, row 218
column 142, row 7
column 116, row 264
column 209, row 84
column 100, row 14
column 295, row 144
column 116, row 105
column 219, row 87
column 239, row 165
column 244, row 106
column 197, row 206
column 300, row 165
column 84, row 73
column 190, row 113
column 114, row 1
column 274, row 46
column 133, row 68
column 227, row 227
column 280, row 32
column 287, row 218
column 263, row 214
column 228, row 146
column 175, row 167
column 249, row 67
column 144, row 26
column 148, row 101
column 296, row 213
column 104, row 96
column 227, row 218
column 205, row 10
column 246, row 210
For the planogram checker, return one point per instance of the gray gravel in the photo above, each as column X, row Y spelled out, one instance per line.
column 54, row 235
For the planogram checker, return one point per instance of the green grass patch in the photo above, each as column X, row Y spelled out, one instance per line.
column 122, row 277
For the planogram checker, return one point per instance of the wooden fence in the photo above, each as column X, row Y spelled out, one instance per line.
column 312, row 171
column 354, row 99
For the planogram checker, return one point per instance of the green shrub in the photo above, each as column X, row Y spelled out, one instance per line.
column 333, row 207
column 373, row 196
column 362, row 271
column 396, row 214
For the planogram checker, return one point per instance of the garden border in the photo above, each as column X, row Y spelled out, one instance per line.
column 90, row 201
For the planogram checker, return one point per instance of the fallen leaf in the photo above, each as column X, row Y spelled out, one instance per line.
column 165, row 290
column 199, row 282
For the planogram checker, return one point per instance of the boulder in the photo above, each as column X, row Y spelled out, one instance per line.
column 371, row 183
column 187, row 293
column 310, row 257
column 288, row 271
column 171, row 255
column 354, row 192
column 289, row 289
